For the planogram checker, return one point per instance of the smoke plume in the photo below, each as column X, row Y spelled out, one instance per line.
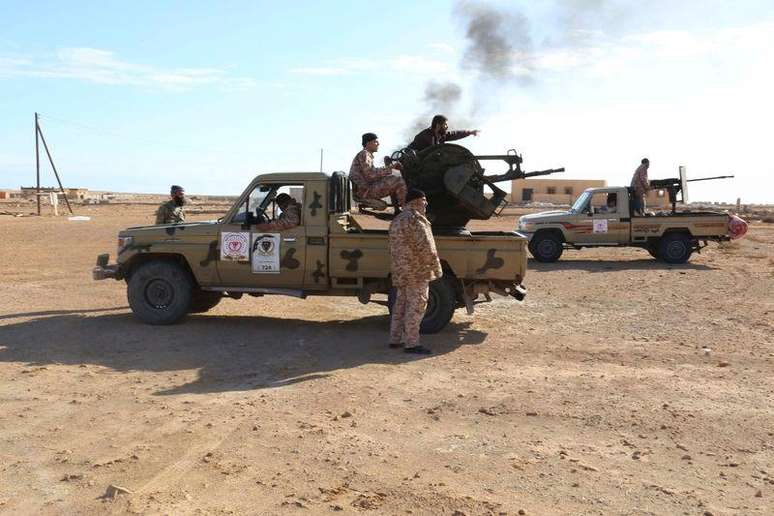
column 499, row 42
column 499, row 51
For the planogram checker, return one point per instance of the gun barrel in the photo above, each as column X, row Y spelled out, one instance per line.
column 707, row 178
column 543, row 172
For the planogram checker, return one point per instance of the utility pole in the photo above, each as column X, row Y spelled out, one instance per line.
column 39, row 132
column 37, row 164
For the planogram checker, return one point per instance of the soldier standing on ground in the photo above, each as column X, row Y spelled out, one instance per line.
column 640, row 187
column 414, row 263
column 289, row 218
column 438, row 133
column 372, row 182
column 172, row 211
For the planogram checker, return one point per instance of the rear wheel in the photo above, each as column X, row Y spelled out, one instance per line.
column 441, row 302
column 546, row 247
column 675, row 248
column 159, row 292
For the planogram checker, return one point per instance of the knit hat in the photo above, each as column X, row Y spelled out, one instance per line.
column 414, row 193
column 367, row 137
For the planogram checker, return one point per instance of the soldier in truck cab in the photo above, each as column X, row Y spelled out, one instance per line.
column 289, row 218
column 438, row 133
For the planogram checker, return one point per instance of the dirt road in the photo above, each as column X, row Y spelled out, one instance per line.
column 620, row 386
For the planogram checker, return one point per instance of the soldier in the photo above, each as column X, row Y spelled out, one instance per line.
column 372, row 182
column 289, row 218
column 414, row 263
column 640, row 187
column 438, row 133
column 172, row 211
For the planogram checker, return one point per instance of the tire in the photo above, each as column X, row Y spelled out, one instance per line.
column 675, row 248
column 160, row 292
column 441, row 303
column 203, row 300
column 546, row 247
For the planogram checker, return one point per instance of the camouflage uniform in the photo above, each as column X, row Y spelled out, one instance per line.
column 640, row 187
column 414, row 263
column 288, row 219
column 427, row 138
column 170, row 213
column 372, row 182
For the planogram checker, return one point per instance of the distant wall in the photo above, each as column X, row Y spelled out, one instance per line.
column 556, row 191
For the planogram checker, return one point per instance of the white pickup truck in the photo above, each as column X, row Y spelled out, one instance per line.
column 602, row 217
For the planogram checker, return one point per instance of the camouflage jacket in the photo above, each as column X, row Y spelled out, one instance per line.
column 640, row 183
column 170, row 213
column 289, row 218
column 363, row 170
column 414, row 258
column 427, row 138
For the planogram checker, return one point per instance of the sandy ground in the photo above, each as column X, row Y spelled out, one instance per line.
column 620, row 386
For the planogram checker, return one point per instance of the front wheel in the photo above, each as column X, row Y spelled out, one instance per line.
column 675, row 248
column 441, row 302
column 546, row 247
column 204, row 300
column 159, row 292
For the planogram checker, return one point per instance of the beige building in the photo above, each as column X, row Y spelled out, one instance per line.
column 556, row 191
column 565, row 191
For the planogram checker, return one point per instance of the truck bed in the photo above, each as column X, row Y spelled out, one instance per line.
column 490, row 255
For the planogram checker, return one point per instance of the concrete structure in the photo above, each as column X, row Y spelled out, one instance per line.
column 73, row 194
column 556, row 191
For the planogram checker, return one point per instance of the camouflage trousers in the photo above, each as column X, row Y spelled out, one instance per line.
column 384, row 187
column 407, row 314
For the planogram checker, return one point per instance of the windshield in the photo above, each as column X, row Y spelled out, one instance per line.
column 580, row 202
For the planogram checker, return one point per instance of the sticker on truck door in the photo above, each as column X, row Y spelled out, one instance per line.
column 600, row 225
column 266, row 251
column 235, row 247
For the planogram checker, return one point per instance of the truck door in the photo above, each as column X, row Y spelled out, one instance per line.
column 263, row 259
column 608, row 216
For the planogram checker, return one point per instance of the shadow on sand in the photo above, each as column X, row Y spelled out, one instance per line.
column 230, row 352
column 565, row 264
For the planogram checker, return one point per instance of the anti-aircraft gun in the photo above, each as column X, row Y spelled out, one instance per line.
column 457, row 189
column 675, row 185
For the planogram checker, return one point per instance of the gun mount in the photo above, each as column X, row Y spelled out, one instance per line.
column 675, row 185
column 457, row 189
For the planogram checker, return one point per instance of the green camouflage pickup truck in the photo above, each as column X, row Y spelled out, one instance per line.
column 172, row 270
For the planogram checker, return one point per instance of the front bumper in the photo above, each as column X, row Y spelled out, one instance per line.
column 103, row 270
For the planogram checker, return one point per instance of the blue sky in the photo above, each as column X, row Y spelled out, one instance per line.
column 138, row 95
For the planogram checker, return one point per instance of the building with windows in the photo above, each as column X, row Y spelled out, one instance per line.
column 555, row 191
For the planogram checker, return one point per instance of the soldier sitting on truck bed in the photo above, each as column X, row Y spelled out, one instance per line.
column 289, row 218
column 172, row 211
column 372, row 182
column 438, row 133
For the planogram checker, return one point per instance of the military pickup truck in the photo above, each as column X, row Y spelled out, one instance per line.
column 172, row 270
column 602, row 217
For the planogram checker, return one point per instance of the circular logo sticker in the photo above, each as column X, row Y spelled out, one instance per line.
column 235, row 246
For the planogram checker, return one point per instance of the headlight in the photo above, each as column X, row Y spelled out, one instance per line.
column 123, row 243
